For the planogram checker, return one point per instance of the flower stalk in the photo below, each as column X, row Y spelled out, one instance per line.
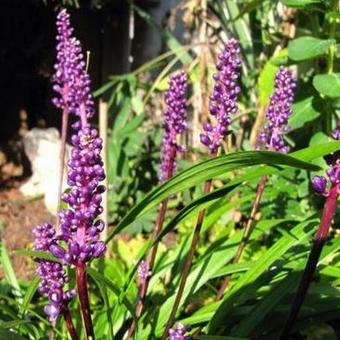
column 84, row 300
column 187, row 265
column 271, row 138
column 69, row 323
column 246, row 233
column 174, row 124
column 222, row 105
column 145, row 268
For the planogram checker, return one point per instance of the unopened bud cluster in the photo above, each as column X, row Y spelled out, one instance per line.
column 72, row 83
column 224, row 96
column 174, row 123
column 278, row 112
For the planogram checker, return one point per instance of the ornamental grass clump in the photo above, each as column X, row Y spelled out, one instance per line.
column 330, row 188
column 174, row 125
column 77, row 240
column 270, row 138
column 222, row 105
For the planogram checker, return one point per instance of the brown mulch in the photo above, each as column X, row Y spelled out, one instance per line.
column 18, row 216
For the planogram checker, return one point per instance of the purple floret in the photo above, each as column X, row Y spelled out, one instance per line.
column 278, row 112
column 52, row 276
column 319, row 183
column 143, row 270
column 224, row 96
column 174, row 124
column 72, row 83
column 178, row 333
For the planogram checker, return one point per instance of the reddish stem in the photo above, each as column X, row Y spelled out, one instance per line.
column 51, row 334
column 150, row 263
column 187, row 265
column 246, row 234
column 69, row 323
column 152, row 255
column 319, row 240
column 84, row 300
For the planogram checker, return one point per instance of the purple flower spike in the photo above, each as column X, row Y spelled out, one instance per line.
column 178, row 333
column 278, row 112
column 52, row 276
column 79, row 226
column 224, row 96
column 72, row 83
column 174, row 124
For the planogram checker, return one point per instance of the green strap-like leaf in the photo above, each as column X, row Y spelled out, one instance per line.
column 102, row 289
column 294, row 237
column 32, row 288
column 281, row 290
column 195, row 206
column 9, row 273
column 101, row 278
column 203, row 171
column 38, row 254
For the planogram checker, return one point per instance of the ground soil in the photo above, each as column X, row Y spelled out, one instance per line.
column 18, row 216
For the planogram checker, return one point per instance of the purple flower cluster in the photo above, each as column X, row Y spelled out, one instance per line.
column 319, row 183
column 178, row 333
column 143, row 270
column 77, row 241
column 72, row 83
column 79, row 225
column 53, row 277
column 278, row 112
column 224, row 96
column 174, row 123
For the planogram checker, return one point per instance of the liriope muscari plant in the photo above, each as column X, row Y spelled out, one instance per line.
column 270, row 138
column 222, row 106
column 330, row 188
column 174, row 124
column 77, row 240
